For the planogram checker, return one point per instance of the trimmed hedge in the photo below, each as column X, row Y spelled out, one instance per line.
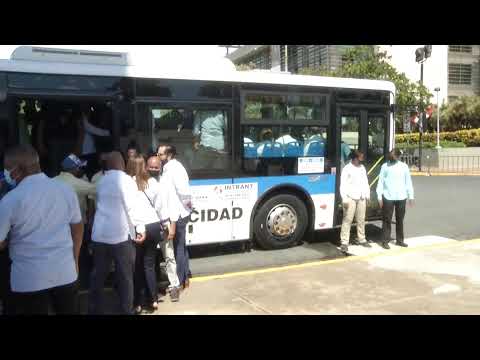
column 468, row 137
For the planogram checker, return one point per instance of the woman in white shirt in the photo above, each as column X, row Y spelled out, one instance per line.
column 355, row 193
column 145, row 276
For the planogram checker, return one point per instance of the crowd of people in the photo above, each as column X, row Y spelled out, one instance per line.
column 133, row 206
column 122, row 215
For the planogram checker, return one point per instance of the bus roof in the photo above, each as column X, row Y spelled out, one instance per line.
column 28, row 59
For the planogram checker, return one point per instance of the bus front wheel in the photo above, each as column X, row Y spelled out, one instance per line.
column 280, row 222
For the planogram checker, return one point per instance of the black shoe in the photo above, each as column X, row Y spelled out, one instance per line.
column 355, row 242
column 344, row 248
column 385, row 245
column 366, row 244
column 370, row 241
column 402, row 244
column 174, row 294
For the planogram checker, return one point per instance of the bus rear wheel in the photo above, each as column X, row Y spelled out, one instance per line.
column 280, row 222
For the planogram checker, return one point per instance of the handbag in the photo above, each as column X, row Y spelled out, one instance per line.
column 156, row 228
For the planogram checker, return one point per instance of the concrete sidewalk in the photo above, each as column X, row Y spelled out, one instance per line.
column 433, row 276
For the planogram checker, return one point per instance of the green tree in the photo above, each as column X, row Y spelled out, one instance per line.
column 363, row 62
column 463, row 113
column 245, row 67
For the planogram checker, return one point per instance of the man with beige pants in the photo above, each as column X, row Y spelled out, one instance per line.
column 355, row 193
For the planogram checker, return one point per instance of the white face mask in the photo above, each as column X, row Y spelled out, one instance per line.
column 8, row 178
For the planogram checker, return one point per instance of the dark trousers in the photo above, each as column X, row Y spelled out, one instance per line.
column 145, row 260
column 181, row 251
column 5, row 265
column 123, row 254
column 63, row 299
column 388, row 207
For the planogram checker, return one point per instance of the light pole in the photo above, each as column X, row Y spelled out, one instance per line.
column 437, row 89
column 421, row 54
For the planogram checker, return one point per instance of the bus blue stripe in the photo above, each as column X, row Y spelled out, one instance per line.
column 313, row 183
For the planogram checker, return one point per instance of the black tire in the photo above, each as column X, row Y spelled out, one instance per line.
column 268, row 241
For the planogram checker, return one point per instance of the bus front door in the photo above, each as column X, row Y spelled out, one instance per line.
column 365, row 129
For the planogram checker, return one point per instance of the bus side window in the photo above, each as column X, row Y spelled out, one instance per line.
column 274, row 150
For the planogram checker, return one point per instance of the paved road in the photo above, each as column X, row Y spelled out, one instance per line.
column 445, row 206
column 440, row 278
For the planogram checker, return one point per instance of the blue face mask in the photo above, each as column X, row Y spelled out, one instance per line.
column 9, row 179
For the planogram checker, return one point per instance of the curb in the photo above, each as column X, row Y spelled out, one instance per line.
column 424, row 173
column 453, row 243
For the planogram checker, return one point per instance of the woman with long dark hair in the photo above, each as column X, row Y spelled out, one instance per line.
column 145, row 278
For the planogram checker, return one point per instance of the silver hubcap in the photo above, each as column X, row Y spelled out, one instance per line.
column 282, row 220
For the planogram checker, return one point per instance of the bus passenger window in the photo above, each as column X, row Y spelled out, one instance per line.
column 274, row 150
column 210, row 142
column 200, row 137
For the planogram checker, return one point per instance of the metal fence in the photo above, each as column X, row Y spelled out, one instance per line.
column 465, row 164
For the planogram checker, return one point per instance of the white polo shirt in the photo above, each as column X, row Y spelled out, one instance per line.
column 38, row 214
column 116, row 202
column 166, row 201
column 174, row 172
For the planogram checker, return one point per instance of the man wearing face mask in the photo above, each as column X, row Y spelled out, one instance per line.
column 43, row 218
column 393, row 189
column 163, row 201
column 355, row 193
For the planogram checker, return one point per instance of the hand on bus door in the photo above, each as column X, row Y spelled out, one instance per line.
column 380, row 203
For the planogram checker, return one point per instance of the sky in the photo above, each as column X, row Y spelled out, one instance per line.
column 180, row 50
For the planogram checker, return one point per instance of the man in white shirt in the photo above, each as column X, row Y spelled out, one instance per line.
column 113, row 234
column 355, row 193
column 44, row 223
column 163, row 201
column 175, row 173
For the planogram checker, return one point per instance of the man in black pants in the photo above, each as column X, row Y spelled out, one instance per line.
column 113, row 234
column 43, row 218
column 393, row 189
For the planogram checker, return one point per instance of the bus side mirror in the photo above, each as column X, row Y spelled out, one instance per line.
column 393, row 108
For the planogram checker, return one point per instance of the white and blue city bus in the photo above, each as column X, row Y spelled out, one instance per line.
column 264, row 150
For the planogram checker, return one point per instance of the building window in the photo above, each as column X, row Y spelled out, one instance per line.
column 460, row 48
column 275, row 108
column 460, row 74
column 261, row 59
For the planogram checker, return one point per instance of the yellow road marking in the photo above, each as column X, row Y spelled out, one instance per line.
column 453, row 243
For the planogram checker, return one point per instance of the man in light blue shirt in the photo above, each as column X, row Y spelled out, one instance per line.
column 393, row 189
column 42, row 217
